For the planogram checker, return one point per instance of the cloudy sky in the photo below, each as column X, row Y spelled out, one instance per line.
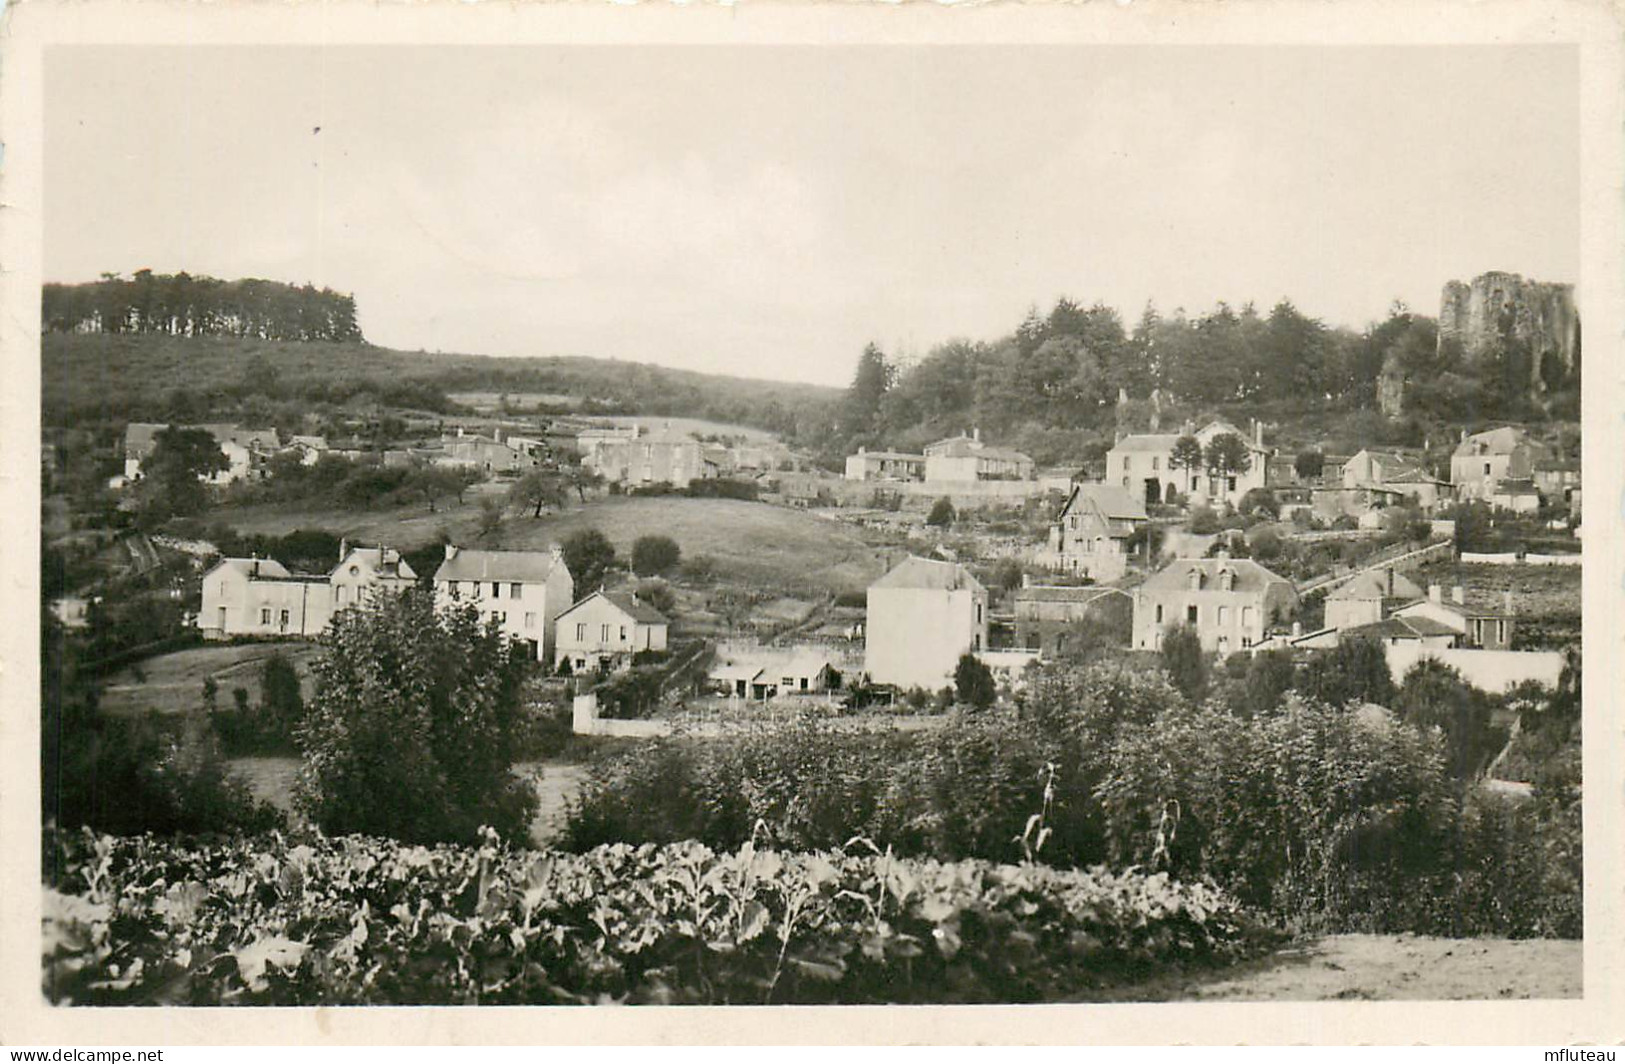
column 767, row 210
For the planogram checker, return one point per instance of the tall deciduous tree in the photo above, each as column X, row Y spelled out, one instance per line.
column 588, row 554
column 412, row 731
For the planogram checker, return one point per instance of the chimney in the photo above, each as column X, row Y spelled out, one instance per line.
column 1463, row 435
column 344, row 549
column 1297, row 629
column 1506, row 602
column 556, row 552
column 1458, row 595
column 1435, row 593
column 862, row 449
column 976, row 434
column 1223, row 555
column 1026, row 579
column 1258, row 434
column 451, row 552
column 1388, row 583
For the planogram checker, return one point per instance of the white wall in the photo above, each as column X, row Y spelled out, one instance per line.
column 1489, row 670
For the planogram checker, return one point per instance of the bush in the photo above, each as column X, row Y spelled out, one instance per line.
column 414, row 724
column 973, row 683
column 1185, row 661
column 368, row 921
column 653, row 555
column 588, row 554
column 942, row 513
column 1204, row 522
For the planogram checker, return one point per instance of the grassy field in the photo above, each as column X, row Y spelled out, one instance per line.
column 750, row 542
column 173, row 683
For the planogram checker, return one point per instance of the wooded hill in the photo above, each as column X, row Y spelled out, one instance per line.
column 89, row 378
column 180, row 304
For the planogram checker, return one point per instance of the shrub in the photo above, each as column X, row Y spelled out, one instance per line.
column 413, row 726
column 1185, row 661
column 658, row 594
column 942, row 513
column 368, row 921
column 653, row 555
column 1204, row 522
column 973, row 682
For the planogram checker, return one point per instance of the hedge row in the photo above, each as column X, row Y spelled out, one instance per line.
column 360, row 920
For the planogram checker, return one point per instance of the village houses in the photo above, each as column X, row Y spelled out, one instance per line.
column 922, row 616
column 1092, row 534
column 260, row 597
column 1368, row 598
column 488, row 454
column 1230, row 603
column 1500, row 462
column 770, row 672
column 245, row 449
column 641, row 458
column 605, row 630
column 525, row 591
column 1143, row 465
column 884, row 465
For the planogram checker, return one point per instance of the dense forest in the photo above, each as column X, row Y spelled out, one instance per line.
column 1052, row 387
column 181, row 304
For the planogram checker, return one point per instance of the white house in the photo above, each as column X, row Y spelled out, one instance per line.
column 1143, row 465
column 967, row 458
column 260, row 597
column 1090, row 536
column 605, row 629
column 1231, row 603
column 922, row 616
column 1485, row 459
column 524, row 590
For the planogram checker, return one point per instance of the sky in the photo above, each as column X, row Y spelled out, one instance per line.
column 765, row 211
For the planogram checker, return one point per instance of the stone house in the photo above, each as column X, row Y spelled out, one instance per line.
column 1141, row 464
column 967, row 458
column 921, row 617
column 604, row 630
column 1481, row 461
column 1231, row 603
column 1480, row 620
column 524, row 590
column 1091, row 534
column 645, row 458
column 769, row 673
column 1047, row 616
column 1368, row 598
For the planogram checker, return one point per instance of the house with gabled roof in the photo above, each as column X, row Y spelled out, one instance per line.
column 1047, row 616
column 921, row 617
column 1481, row 620
column 1369, row 597
column 1091, row 533
column 1230, row 603
column 605, row 630
column 1143, row 465
column 1484, row 459
column 967, row 458
column 260, row 597
column 770, row 672
column 524, row 591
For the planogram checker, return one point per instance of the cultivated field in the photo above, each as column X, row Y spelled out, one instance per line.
column 173, row 683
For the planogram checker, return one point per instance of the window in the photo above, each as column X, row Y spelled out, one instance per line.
column 581, row 663
column 1159, row 613
column 499, row 616
column 513, row 589
column 530, row 620
column 1156, row 463
column 1125, row 482
column 789, row 682
column 978, row 613
column 623, row 633
column 265, row 616
column 1191, row 614
column 1247, row 617
column 581, row 632
column 1224, row 614
column 1128, row 462
column 496, row 590
column 976, row 641
column 1486, row 469
column 603, row 633
column 284, row 619
column 1231, row 483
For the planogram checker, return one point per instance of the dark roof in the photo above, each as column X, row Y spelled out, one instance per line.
column 1403, row 628
column 1112, row 500
column 1249, row 575
column 1495, row 441
column 522, row 566
column 927, row 573
column 634, row 607
column 1374, row 585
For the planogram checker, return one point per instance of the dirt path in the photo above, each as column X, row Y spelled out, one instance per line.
column 1397, row 968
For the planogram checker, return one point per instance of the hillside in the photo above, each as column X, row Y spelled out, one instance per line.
column 101, row 377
